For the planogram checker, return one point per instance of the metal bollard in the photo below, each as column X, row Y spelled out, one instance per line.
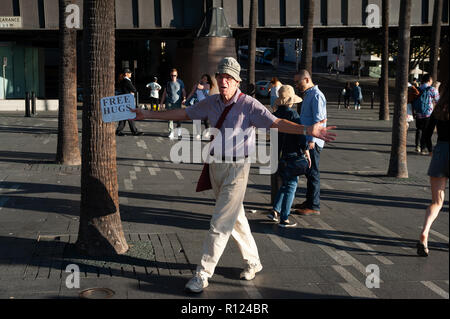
column 33, row 103
column 372, row 100
column 27, row 104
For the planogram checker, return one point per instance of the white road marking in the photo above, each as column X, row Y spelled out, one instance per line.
column 353, row 286
column 438, row 290
column 46, row 140
column 153, row 170
column 165, row 158
column 303, row 223
column 128, row 184
column 137, row 168
column 279, row 243
column 439, row 235
column 251, row 289
column 141, row 144
column 178, row 174
column 133, row 175
column 149, row 156
column 140, row 163
column 373, row 253
column 383, row 231
column 326, row 186
column 340, row 256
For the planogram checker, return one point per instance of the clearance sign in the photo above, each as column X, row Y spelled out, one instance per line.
column 10, row 22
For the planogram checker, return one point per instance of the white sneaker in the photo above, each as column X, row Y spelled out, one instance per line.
column 273, row 216
column 250, row 271
column 197, row 283
column 179, row 132
column 172, row 135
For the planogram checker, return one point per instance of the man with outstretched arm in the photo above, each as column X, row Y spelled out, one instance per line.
column 229, row 177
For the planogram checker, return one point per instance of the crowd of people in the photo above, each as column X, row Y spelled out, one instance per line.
column 354, row 93
column 303, row 133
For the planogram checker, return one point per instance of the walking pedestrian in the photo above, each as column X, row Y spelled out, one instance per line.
column 174, row 95
column 431, row 126
column 200, row 91
column 126, row 87
column 289, row 145
column 357, row 95
column 347, row 94
column 423, row 108
column 438, row 171
column 275, row 85
column 313, row 111
column 413, row 93
column 154, row 93
column 229, row 170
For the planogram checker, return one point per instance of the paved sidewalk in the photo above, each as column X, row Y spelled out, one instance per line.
column 366, row 219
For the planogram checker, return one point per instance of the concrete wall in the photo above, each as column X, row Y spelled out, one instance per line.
column 19, row 105
column 154, row 14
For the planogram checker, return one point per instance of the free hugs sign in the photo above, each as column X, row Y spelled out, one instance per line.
column 117, row 108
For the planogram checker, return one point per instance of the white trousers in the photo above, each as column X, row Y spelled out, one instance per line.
column 229, row 182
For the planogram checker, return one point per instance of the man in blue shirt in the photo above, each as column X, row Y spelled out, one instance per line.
column 174, row 95
column 313, row 110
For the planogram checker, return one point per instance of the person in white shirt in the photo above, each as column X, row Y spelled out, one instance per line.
column 154, row 93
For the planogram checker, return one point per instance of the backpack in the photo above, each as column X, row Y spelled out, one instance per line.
column 422, row 102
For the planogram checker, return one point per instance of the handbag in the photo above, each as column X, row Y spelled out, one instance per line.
column 293, row 164
column 204, row 181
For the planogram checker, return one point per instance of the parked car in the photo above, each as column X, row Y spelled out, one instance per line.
column 262, row 88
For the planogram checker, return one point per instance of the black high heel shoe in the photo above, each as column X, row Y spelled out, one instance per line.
column 422, row 250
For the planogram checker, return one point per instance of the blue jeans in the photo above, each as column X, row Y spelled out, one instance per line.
column 285, row 196
column 313, row 177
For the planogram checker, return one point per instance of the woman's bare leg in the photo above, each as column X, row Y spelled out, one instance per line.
column 438, row 185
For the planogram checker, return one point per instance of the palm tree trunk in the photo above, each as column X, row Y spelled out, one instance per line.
column 253, row 22
column 398, row 161
column 67, row 151
column 308, row 30
column 100, row 231
column 436, row 37
column 384, row 88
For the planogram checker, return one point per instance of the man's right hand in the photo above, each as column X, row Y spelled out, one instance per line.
column 139, row 114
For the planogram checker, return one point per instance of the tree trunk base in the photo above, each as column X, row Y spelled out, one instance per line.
column 101, row 238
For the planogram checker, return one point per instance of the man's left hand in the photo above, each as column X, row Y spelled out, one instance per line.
column 321, row 132
column 311, row 145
